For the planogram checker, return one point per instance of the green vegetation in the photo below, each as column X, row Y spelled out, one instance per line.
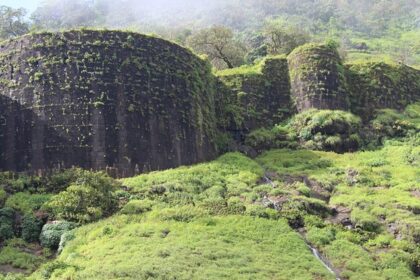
column 327, row 130
column 202, row 248
column 344, row 182
column 88, row 199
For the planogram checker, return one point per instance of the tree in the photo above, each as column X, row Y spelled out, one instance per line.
column 12, row 22
column 89, row 198
column 58, row 14
column 283, row 38
column 219, row 44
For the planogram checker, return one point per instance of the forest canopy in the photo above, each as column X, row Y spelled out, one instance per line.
column 382, row 29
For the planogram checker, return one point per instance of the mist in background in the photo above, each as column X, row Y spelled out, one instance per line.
column 364, row 28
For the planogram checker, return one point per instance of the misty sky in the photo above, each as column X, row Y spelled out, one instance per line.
column 29, row 5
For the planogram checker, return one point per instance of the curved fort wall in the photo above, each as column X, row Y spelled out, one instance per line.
column 102, row 99
column 130, row 103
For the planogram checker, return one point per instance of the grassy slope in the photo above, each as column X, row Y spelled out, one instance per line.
column 379, row 188
column 231, row 247
column 195, row 230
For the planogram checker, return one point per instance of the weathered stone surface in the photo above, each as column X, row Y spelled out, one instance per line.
column 103, row 99
column 317, row 78
column 130, row 103
column 256, row 98
column 374, row 85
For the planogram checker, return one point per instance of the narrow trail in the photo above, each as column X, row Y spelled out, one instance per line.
column 321, row 258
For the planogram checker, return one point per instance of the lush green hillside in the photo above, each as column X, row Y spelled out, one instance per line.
column 235, row 217
column 173, row 244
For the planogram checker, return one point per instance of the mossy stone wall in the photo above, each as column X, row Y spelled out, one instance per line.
column 256, row 98
column 377, row 85
column 111, row 100
column 317, row 78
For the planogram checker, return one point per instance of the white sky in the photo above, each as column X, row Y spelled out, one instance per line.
column 29, row 5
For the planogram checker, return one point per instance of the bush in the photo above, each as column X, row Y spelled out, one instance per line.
column 3, row 197
column 390, row 123
column 327, row 130
column 7, row 218
column 179, row 214
column 215, row 206
column 65, row 238
column 137, row 207
column 31, row 228
column 261, row 212
column 48, row 269
column 321, row 236
column 364, row 220
column 51, row 233
column 27, row 203
column 90, row 198
column 236, row 206
column 265, row 139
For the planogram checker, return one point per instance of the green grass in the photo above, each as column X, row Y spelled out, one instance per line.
column 377, row 186
column 231, row 247
column 230, row 175
column 13, row 255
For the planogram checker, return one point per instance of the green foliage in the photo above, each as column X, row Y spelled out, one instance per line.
column 327, row 130
column 12, row 22
column 364, row 220
column 51, row 233
column 91, row 197
column 219, row 45
column 230, row 175
column 31, row 228
column 320, row 236
column 282, row 38
column 265, row 139
column 7, row 220
column 137, row 207
column 16, row 258
column 27, row 203
column 206, row 248
column 3, row 197
column 391, row 123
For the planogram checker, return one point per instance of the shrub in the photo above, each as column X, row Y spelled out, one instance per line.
column 65, row 238
column 48, row 269
column 137, row 207
column 7, row 217
column 179, row 214
column 236, row 206
column 261, row 212
column 321, row 236
column 364, row 220
column 390, row 123
column 51, row 233
column 31, row 228
column 265, row 139
column 327, row 130
column 90, row 198
column 26, row 203
column 10, row 255
column 3, row 197
column 215, row 206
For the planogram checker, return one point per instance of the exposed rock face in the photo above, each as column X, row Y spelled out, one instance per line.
column 317, row 78
column 102, row 99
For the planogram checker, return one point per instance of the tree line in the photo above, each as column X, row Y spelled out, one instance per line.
column 235, row 32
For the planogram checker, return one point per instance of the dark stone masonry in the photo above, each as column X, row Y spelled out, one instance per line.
column 129, row 103
column 103, row 100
